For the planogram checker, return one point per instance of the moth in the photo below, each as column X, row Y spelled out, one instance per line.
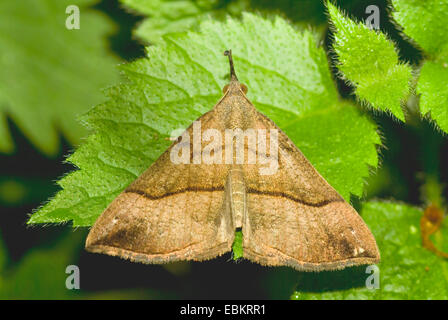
column 190, row 210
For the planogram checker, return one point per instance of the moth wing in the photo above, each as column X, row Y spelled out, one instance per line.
column 295, row 218
column 171, row 212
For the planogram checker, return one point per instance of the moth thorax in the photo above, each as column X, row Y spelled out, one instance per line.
column 237, row 116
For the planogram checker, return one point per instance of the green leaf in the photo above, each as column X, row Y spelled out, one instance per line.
column 369, row 61
column 288, row 80
column 432, row 86
column 49, row 74
column 168, row 16
column 425, row 23
column 237, row 247
column 407, row 271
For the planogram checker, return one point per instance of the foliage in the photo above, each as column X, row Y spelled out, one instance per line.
column 168, row 16
column 369, row 60
column 380, row 79
column 424, row 22
column 48, row 74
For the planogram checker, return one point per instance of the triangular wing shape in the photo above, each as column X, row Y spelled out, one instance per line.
column 173, row 211
column 295, row 218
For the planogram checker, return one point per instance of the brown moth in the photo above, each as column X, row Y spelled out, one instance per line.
column 190, row 210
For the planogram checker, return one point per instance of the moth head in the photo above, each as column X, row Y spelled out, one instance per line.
column 243, row 88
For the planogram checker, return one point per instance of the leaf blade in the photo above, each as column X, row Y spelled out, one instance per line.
column 425, row 24
column 60, row 70
column 383, row 83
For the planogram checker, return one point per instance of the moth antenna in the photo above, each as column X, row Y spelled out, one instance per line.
column 232, row 68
